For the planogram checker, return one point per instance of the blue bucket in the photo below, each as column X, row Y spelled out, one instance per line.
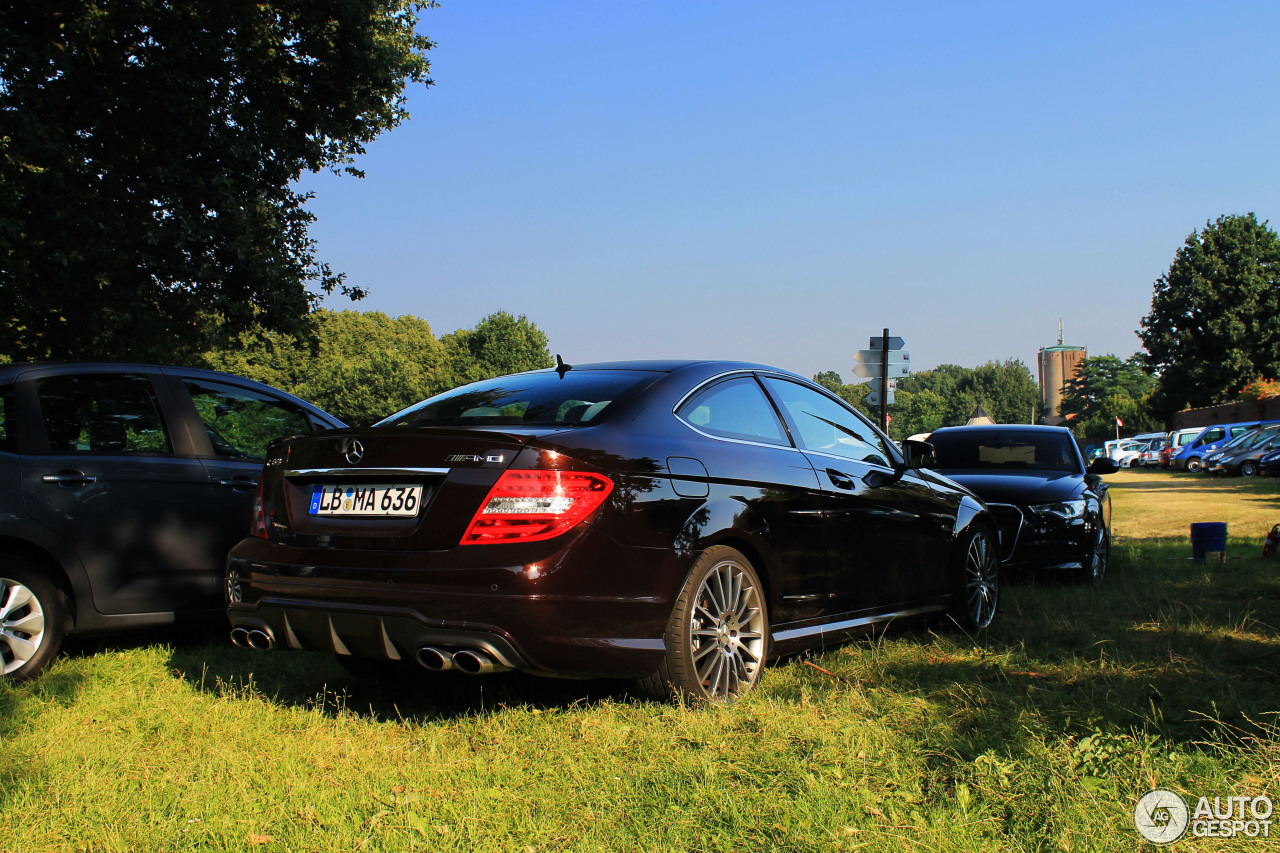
column 1209, row 541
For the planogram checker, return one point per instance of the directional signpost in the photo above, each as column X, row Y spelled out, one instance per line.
column 877, row 393
column 883, row 362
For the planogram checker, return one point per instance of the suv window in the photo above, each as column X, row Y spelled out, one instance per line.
column 102, row 413
column 736, row 409
column 825, row 426
column 8, row 420
column 240, row 422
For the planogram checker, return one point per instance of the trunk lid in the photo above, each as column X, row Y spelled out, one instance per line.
column 335, row 489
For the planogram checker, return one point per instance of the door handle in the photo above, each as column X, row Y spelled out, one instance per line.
column 839, row 479
column 239, row 483
column 69, row 478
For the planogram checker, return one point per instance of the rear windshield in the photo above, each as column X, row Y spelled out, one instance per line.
column 526, row 399
column 980, row 449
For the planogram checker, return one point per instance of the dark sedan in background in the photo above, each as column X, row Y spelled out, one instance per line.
column 124, row 486
column 674, row 522
column 1053, row 512
column 1244, row 457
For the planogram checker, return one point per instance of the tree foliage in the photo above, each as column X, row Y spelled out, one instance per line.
column 148, row 152
column 948, row 394
column 498, row 345
column 363, row 366
column 1105, row 388
column 1212, row 328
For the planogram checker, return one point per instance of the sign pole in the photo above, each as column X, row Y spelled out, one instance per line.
column 884, row 384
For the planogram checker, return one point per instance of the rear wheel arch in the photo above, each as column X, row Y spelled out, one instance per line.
column 764, row 569
column 48, row 566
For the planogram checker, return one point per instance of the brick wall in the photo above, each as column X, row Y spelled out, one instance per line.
column 1253, row 410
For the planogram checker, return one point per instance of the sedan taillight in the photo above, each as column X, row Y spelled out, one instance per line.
column 528, row 506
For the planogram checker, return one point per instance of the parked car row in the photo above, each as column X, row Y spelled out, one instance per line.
column 1192, row 455
column 1234, row 449
column 679, row 523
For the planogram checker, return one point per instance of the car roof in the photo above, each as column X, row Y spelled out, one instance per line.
column 1006, row 428
column 706, row 367
column 668, row 365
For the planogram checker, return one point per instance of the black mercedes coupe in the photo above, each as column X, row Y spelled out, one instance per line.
column 679, row 523
column 1053, row 512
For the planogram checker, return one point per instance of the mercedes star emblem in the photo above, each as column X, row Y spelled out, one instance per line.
column 352, row 450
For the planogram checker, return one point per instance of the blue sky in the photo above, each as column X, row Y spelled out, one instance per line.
column 778, row 182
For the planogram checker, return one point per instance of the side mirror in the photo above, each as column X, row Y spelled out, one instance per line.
column 1104, row 465
column 919, row 454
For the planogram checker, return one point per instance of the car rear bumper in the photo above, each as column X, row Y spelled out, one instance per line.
column 542, row 618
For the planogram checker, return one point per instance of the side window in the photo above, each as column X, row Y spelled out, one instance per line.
column 1213, row 435
column 240, row 422
column 735, row 409
column 8, row 420
column 102, row 413
column 825, row 426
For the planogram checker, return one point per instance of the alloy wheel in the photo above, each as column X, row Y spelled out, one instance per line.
column 22, row 624
column 1101, row 556
column 981, row 581
column 727, row 631
column 1248, row 468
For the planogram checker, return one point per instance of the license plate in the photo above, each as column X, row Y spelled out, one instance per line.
column 378, row 500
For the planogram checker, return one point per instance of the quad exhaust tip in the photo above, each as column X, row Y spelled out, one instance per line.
column 469, row 661
column 473, row 662
column 435, row 660
column 252, row 638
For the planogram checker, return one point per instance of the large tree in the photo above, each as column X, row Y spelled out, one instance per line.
column 363, row 366
column 1212, row 327
column 148, row 154
column 1106, row 388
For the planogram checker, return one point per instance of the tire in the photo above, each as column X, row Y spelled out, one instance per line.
column 1248, row 468
column 1193, row 465
column 1099, row 560
column 32, row 620
column 977, row 568
column 718, row 636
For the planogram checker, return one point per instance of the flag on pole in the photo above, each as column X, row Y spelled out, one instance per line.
column 1119, row 422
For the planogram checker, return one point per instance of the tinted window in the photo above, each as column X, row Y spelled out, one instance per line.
column 1008, row 450
column 826, row 426
column 8, row 420
column 241, row 423
column 527, row 399
column 735, row 409
column 1209, row 436
column 102, row 413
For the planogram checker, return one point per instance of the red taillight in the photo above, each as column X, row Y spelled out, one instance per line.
column 527, row 506
column 258, row 524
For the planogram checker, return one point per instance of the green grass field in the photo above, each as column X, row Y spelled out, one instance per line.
column 1038, row 735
